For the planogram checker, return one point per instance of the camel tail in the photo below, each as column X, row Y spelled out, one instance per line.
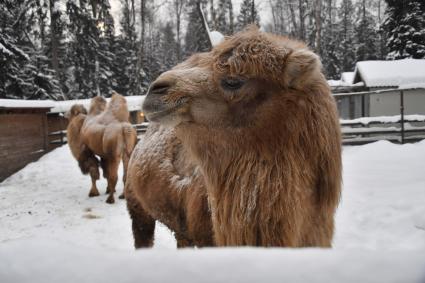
column 130, row 138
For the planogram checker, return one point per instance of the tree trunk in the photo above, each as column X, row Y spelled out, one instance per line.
column 302, row 23
column 318, row 22
column 231, row 25
column 140, row 56
column 178, row 7
column 54, row 37
column 213, row 16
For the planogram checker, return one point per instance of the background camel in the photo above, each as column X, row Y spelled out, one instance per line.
column 164, row 185
column 104, row 132
column 257, row 116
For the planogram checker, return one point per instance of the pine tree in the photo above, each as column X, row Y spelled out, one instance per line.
column 23, row 69
column 365, row 31
column 345, row 36
column 90, row 53
column 196, row 39
column 248, row 14
column 222, row 12
column 331, row 62
column 405, row 25
column 125, row 50
column 169, row 56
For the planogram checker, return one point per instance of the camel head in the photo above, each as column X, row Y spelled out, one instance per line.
column 75, row 110
column 245, row 75
column 97, row 105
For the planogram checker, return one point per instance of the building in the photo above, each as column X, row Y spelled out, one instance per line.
column 23, row 133
column 371, row 78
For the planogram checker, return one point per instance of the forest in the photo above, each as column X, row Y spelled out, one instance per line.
column 69, row 49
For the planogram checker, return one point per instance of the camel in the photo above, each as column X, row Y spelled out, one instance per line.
column 257, row 117
column 164, row 185
column 103, row 132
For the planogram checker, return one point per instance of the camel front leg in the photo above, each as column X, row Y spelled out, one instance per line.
column 142, row 224
column 112, row 167
column 125, row 160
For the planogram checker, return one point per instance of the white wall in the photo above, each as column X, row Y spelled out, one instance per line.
column 387, row 104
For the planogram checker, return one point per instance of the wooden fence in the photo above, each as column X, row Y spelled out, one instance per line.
column 399, row 129
column 58, row 138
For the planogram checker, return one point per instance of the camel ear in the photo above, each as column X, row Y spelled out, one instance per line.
column 301, row 64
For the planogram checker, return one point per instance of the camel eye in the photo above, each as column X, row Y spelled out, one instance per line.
column 232, row 83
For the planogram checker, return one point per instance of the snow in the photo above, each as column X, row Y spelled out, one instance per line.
column 48, row 199
column 234, row 265
column 134, row 103
column 341, row 83
column 4, row 50
column 390, row 73
column 412, row 86
column 379, row 236
column 384, row 119
column 347, row 77
column 20, row 103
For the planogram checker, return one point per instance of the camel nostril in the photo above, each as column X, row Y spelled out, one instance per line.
column 159, row 87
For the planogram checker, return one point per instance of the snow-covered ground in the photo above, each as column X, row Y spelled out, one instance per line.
column 50, row 231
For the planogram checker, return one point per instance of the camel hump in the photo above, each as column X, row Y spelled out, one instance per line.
column 130, row 138
column 118, row 107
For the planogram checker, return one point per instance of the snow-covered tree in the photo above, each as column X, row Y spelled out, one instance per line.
column 248, row 14
column 405, row 25
column 169, row 56
column 196, row 39
column 365, row 30
column 345, row 36
column 330, row 44
column 90, row 54
column 24, row 70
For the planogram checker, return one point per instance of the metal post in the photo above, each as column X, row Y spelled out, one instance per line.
column 402, row 115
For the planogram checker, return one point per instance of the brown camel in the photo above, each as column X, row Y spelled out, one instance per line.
column 257, row 117
column 164, row 185
column 104, row 132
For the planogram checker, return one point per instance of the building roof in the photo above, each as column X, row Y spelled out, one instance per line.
column 134, row 103
column 390, row 73
column 20, row 103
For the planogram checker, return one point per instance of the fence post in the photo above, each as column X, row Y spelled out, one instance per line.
column 402, row 115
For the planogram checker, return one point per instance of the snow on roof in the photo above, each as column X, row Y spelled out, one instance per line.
column 347, row 77
column 411, row 86
column 390, row 73
column 20, row 103
column 341, row 83
column 383, row 119
column 134, row 103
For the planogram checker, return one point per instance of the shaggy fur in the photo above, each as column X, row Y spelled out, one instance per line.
column 268, row 146
column 104, row 132
column 164, row 185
